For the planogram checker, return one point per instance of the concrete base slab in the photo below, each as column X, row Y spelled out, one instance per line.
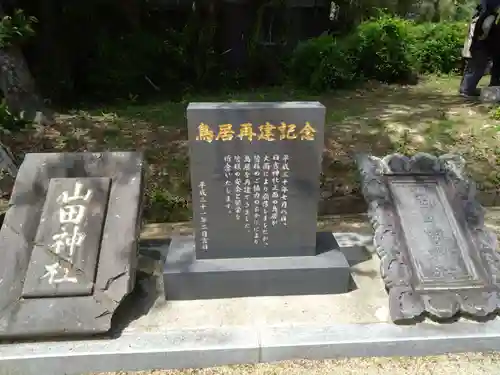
column 188, row 278
column 153, row 333
column 198, row 348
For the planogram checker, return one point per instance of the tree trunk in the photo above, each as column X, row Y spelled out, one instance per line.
column 132, row 11
column 18, row 86
column 436, row 16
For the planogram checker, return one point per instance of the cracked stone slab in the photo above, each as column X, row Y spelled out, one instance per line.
column 69, row 243
column 437, row 257
column 7, row 161
column 8, row 170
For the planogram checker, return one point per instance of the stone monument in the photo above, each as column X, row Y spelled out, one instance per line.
column 437, row 257
column 69, row 242
column 255, row 170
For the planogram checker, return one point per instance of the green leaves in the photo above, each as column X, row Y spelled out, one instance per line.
column 16, row 28
column 387, row 48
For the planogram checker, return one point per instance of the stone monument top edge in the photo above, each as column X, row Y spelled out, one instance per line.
column 254, row 105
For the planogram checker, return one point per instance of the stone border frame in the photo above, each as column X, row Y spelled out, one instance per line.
column 405, row 303
column 115, row 276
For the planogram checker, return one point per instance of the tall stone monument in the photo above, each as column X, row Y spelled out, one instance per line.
column 255, row 170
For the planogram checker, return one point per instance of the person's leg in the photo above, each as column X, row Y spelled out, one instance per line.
column 463, row 69
column 474, row 71
column 495, row 71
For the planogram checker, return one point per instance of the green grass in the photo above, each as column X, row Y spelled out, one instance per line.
column 375, row 118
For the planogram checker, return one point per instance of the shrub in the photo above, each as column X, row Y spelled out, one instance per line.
column 10, row 121
column 163, row 206
column 322, row 63
column 439, row 46
column 16, row 28
column 388, row 49
column 385, row 49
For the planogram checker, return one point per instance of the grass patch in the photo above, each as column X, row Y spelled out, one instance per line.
column 375, row 118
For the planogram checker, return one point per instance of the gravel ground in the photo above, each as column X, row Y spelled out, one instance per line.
column 470, row 364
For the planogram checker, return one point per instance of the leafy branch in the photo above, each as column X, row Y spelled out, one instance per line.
column 16, row 28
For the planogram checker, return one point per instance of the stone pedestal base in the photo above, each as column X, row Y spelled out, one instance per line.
column 188, row 278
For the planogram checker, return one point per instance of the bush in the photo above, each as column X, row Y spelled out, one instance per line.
column 439, row 46
column 385, row 49
column 323, row 63
column 16, row 28
column 388, row 49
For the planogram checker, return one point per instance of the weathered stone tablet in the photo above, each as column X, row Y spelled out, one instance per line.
column 69, row 242
column 437, row 256
column 64, row 259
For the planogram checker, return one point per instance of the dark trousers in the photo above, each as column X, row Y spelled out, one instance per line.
column 475, row 68
column 495, row 71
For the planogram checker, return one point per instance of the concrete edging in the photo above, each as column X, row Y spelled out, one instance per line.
column 190, row 348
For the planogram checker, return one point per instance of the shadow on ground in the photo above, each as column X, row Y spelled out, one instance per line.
column 377, row 118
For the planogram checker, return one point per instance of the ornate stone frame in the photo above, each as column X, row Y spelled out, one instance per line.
column 405, row 300
column 115, row 276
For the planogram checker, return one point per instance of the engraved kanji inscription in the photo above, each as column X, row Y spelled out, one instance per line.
column 64, row 259
column 437, row 248
column 69, row 243
column 437, row 258
column 255, row 171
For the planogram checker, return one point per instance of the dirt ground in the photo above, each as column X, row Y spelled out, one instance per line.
column 376, row 118
column 471, row 364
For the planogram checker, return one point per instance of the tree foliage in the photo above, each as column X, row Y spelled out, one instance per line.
column 101, row 50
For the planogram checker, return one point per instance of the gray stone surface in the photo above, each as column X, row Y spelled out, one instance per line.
column 255, row 196
column 28, row 317
column 490, row 94
column 158, row 350
column 188, row 278
column 437, row 256
column 203, row 333
column 255, row 170
column 162, row 349
column 64, row 257
column 7, row 161
column 8, row 171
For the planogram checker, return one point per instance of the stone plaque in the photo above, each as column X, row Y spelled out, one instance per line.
column 437, row 257
column 255, row 171
column 438, row 249
column 69, row 242
column 64, row 258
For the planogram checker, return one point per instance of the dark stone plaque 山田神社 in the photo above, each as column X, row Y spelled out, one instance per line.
column 69, row 243
column 437, row 257
column 64, row 258
column 255, row 172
